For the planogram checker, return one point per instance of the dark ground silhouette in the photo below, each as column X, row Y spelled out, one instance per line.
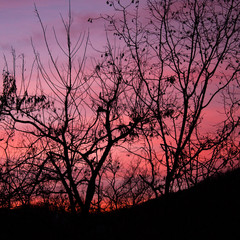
column 210, row 210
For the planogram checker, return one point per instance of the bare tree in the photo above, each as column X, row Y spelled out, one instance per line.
column 121, row 185
column 180, row 55
column 74, row 119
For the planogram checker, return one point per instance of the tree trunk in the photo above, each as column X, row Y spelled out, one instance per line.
column 167, row 183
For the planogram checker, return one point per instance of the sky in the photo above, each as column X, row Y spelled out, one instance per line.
column 19, row 23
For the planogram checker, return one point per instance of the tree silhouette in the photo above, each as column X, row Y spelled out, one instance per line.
column 180, row 57
column 74, row 126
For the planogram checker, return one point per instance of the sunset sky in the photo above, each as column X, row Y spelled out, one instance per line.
column 19, row 23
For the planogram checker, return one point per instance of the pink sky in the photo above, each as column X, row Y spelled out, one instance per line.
column 18, row 22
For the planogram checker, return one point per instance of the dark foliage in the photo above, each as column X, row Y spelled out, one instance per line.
column 209, row 210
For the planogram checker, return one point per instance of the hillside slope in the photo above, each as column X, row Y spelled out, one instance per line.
column 211, row 210
column 208, row 211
